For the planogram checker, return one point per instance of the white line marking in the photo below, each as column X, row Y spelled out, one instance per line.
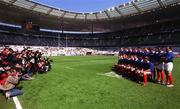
column 69, row 68
column 110, row 74
column 17, row 103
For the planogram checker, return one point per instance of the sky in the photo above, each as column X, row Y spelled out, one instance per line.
column 83, row 5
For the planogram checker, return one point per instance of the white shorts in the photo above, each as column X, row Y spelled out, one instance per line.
column 169, row 67
column 147, row 72
column 161, row 66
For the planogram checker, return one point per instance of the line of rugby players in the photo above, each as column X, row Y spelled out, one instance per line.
column 141, row 65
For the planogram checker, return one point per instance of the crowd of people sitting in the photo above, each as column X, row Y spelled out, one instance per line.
column 68, row 51
column 141, row 65
column 16, row 66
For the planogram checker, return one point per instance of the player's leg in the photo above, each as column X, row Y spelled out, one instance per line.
column 159, row 74
column 162, row 73
column 169, row 74
column 145, row 79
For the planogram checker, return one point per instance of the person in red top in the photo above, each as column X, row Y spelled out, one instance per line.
column 15, row 65
column 3, row 77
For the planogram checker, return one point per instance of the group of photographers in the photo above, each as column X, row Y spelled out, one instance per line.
column 146, row 64
column 20, row 65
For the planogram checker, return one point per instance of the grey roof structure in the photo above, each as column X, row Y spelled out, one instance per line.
column 130, row 8
column 128, row 15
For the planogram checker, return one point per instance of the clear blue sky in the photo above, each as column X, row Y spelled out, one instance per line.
column 83, row 5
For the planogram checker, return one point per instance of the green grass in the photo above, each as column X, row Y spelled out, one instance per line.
column 73, row 83
column 6, row 104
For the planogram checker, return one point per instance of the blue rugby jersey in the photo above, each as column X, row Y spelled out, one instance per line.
column 169, row 56
column 151, row 65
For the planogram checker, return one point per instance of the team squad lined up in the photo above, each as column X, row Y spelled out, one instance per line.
column 145, row 64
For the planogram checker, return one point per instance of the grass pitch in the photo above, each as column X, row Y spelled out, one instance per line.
column 73, row 83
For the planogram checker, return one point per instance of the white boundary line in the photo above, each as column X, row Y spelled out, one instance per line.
column 69, row 68
column 17, row 103
column 110, row 74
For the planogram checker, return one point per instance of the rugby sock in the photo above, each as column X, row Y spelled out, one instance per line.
column 159, row 76
column 171, row 79
column 162, row 75
column 167, row 79
column 145, row 79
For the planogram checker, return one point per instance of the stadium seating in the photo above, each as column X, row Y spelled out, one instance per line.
column 155, row 34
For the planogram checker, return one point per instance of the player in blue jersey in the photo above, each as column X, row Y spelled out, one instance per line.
column 160, row 68
column 146, row 69
column 137, row 65
column 169, row 66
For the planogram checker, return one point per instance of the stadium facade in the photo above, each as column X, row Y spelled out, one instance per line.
column 137, row 23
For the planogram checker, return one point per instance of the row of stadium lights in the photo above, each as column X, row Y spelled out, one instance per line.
column 113, row 8
column 128, row 4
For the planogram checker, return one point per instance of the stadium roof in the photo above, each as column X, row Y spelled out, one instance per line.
column 133, row 7
column 54, row 15
column 82, row 6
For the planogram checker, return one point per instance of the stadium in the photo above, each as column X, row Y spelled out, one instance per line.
column 122, row 57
